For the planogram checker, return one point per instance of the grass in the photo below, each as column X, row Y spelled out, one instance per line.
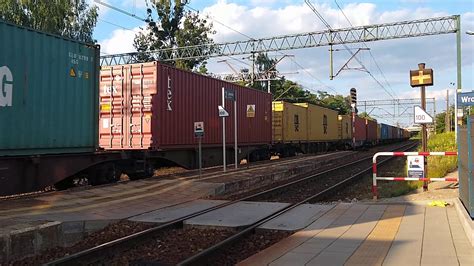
column 439, row 166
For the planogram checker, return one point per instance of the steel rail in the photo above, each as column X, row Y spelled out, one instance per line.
column 95, row 253
column 251, row 228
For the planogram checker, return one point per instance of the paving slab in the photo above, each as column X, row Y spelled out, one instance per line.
column 377, row 234
column 177, row 211
column 236, row 215
column 297, row 218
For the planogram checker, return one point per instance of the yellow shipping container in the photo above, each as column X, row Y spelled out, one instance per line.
column 345, row 127
column 289, row 122
column 322, row 123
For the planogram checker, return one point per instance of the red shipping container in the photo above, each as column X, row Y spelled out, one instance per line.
column 371, row 130
column 155, row 106
column 360, row 129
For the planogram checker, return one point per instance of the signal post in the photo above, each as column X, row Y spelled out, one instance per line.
column 421, row 78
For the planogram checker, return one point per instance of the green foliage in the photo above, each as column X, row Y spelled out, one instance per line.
column 74, row 20
column 439, row 166
column 174, row 28
column 367, row 116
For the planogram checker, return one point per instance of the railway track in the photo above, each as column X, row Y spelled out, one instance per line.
column 208, row 173
column 104, row 252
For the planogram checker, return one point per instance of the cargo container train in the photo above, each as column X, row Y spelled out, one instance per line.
column 62, row 116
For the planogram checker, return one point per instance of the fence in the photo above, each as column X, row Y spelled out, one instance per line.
column 374, row 168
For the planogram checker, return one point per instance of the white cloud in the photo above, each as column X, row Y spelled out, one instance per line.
column 120, row 41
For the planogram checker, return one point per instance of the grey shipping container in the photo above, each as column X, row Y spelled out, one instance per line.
column 48, row 93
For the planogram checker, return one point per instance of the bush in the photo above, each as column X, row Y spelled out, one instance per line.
column 439, row 166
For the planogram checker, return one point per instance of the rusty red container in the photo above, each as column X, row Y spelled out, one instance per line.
column 155, row 106
column 371, row 130
column 360, row 129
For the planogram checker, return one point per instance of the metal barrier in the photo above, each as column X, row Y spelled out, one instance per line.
column 396, row 153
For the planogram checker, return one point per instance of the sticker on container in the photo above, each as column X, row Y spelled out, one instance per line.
column 250, row 110
column 105, row 123
column 72, row 72
column 105, row 107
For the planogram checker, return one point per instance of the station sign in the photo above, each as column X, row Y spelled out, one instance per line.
column 466, row 99
column 422, row 117
column 229, row 94
column 416, row 166
column 199, row 129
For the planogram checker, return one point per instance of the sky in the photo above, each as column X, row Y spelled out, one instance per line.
column 388, row 61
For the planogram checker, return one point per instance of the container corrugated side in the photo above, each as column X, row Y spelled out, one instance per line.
column 154, row 106
column 371, row 130
column 384, row 134
column 49, row 96
column 294, row 127
column 345, row 127
column 322, row 123
column 360, row 133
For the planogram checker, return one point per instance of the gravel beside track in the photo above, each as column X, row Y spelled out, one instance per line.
column 252, row 244
column 109, row 233
column 170, row 247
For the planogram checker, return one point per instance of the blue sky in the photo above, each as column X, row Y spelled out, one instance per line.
column 263, row 18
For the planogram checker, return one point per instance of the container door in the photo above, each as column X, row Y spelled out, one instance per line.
column 125, row 106
column 112, row 101
column 142, row 87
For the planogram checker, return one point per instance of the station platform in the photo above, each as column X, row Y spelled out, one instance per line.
column 62, row 218
column 397, row 233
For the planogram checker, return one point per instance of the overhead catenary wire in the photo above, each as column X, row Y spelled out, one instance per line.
column 370, row 52
column 251, row 38
column 315, row 11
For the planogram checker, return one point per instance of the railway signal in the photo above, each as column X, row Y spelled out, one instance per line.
column 353, row 97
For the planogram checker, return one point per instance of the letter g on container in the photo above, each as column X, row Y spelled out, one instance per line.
column 6, row 89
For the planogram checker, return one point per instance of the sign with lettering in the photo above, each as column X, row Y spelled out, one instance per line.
column 466, row 99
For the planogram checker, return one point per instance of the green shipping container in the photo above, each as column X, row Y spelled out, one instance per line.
column 48, row 93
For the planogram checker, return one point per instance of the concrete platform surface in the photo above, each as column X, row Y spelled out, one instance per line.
column 297, row 218
column 375, row 234
column 236, row 215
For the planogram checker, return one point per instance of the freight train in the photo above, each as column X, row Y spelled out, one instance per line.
column 64, row 117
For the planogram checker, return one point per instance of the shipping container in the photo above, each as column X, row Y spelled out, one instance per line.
column 371, row 131
column 345, row 127
column 360, row 133
column 379, row 132
column 49, row 95
column 385, row 131
column 155, row 106
column 322, row 123
column 290, row 122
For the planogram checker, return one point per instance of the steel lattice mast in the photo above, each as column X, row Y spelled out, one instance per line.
column 369, row 33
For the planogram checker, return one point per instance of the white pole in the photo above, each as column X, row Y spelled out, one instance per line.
column 223, row 131
column 235, row 131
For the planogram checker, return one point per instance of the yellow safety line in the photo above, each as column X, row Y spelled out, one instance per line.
column 375, row 247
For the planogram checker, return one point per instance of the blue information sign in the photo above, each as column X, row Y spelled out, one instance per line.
column 466, row 99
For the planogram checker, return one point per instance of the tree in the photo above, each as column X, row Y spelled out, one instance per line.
column 174, row 28
column 71, row 19
column 367, row 116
